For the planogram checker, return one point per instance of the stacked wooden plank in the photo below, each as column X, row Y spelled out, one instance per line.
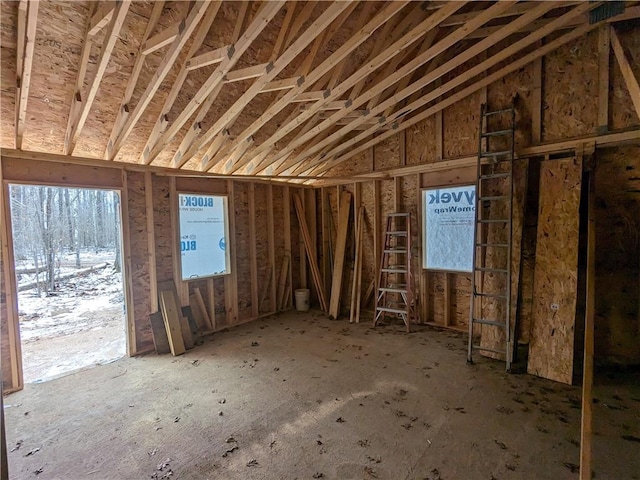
column 172, row 330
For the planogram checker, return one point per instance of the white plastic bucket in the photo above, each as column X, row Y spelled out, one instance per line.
column 302, row 299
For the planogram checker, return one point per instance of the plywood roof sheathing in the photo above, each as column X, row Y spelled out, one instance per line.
column 81, row 105
column 339, row 55
column 125, row 107
column 261, row 20
column 187, row 27
column 316, row 28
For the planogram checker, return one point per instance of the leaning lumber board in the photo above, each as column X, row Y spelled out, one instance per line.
column 187, row 336
column 308, row 245
column 354, row 313
column 172, row 322
column 338, row 260
column 282, row 285
column 160, row 339
column 203, row 308
column 198, row 316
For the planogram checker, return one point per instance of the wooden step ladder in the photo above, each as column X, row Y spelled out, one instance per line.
column 395, row 280
column 491, row 285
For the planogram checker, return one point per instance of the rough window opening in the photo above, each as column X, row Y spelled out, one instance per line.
column 67, row 250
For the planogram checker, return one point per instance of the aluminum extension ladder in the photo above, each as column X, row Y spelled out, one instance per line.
column 395, row 280
column 493, row 230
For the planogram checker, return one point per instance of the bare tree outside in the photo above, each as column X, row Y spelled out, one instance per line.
column 69, row 276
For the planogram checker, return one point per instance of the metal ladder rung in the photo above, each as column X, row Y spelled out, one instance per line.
column 492, row 245
column 498, row 112
column 485, row 321
column 494, row 175
column 397, row 234
column 392, row 290
column 394, row 270
column 396, row 250
column 501, row 153
column 497, row 133
column 494, row 220
column 392, row 310
column 398, row 215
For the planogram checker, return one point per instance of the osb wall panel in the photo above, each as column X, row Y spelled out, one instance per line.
column 361, row 163
column 617, row 185
column 555, row 283
column 162, row 229
column 517, row 89
column 138, row 240
column 421, row 142
column 460, row 123
column 241, row 236
column 622, row 114
column 278, row 222
column 387, row 153
column 262, row 248
column 494, row 309
column 570, row 90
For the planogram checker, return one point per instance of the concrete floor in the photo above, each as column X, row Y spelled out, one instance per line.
column 300, row 396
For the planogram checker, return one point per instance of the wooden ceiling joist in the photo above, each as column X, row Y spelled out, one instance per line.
column 339, row 55
column 428, row 79
column 261, row 20
column 162, row 39
column 209, row 58
column 188, row 26
column 329, row 15
column 27, row 20
column 101, row 17
column 81, row 105
column 450, row 100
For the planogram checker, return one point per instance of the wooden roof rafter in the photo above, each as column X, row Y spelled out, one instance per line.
column 329, row 14
column 214, row 154
column 196, row 127
column 125, row 106
column 162, row 121
column 187, row 27
column 449, row 100
column 339, row 55
column 368, row 120
column 260, row 21
column 27, row 20
column 81, row 105
column 421, row 59
column 426, row 80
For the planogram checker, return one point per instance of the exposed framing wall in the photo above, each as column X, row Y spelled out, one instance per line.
column 553, row 118
column 150, row 247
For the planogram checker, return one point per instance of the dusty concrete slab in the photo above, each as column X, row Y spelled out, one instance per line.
column 301, row 396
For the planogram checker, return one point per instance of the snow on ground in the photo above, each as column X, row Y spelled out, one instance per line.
column 80, row 325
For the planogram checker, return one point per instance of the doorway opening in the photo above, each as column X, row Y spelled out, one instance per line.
column 67, row 247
